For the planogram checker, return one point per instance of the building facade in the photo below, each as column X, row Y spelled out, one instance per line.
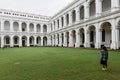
column 18, row 29
column 83, row 23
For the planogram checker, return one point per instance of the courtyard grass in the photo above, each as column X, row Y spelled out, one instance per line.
column 49, row 63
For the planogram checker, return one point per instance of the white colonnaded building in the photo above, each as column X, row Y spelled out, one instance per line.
column 82, row 23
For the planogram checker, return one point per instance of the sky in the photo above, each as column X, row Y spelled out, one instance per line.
column 42, row 7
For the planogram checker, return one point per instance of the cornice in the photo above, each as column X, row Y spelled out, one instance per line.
column 91, row 21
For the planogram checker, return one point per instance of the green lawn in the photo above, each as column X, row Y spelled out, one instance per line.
column 48, row 63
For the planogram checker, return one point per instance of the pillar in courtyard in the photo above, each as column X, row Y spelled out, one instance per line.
column 77, row 14
column 20, row 26
column 2, row 41
column 11, row 26
column 65, row 21
column 87, row 37
column 65, row 40
column 49, row 41
column 71, row 39
column 86, row 11
column 28, row 41
column 2, row 25
column 60, row 23
column 20, row 41
column 77, row 44
column 28, row 27
column 113, row 36
column 56, row 38
column 70, row 18
column 117, row 37
column 60, row 39
column 115, row 5
column 35, row 40
column 98, row 36
column 41, row 28
column 98, row 7
column 11, row 41
column 35, row 27
column 41, row 40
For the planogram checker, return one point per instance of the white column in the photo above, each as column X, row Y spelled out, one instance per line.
column 41, row 40
column 98, row 36
column 2, row 41
column 65, row 39
column 20, row 41
column 49, row 41
column 60, row 39
column 98, row 7
column 87, row 37
column 70, row 18
column 20, row 26
column 114, row 5
column 77, row 44
column 11, row 26
column 55, row 25
column 113, row 36
column 53, row 40
column 60, row 23
column 86, row 10
column 56, row 38
column 117, row 38
column 65, row 21
column 41, row 28
column 28, row 41
column 2, row 25
column 35, row 27
column 77, row 14
column 35, row 42
column 11, row 41
column 28, row 28
column 70, row 39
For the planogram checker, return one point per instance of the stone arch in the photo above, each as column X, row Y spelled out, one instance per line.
column 106, row 34
column 24, row 27
column 15, row 26
column 16, row 41
column 38, row 40
column 82, row 12
column 73, row 16
column 92, row 8
column 31, row 26
column 106, row 5
column 92, row 32
column 38, row 28
column 31, row 41
column 7, row 26
column 45, row 41
column 24, row 41
column 7, row 41
column 74, row 37
column 67, row 19
column 44, row 28
column 82, row 37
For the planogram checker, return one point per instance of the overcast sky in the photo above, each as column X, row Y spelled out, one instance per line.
column 43, row 7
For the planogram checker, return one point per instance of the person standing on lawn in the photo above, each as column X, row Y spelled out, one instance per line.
column 104, row 57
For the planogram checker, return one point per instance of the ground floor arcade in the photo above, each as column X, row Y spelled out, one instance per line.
column 90, row 36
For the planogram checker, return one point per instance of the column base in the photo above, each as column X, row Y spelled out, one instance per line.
column 98, row 45
column 87, row 45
